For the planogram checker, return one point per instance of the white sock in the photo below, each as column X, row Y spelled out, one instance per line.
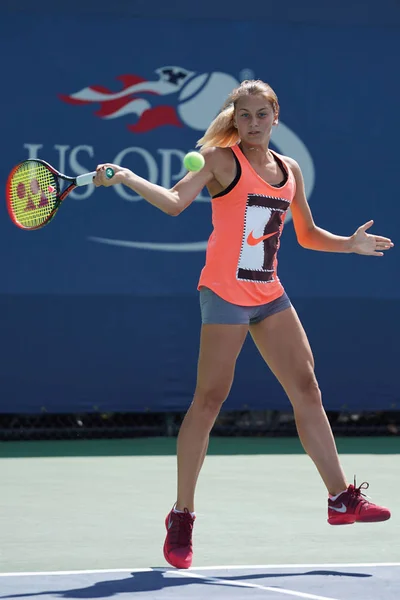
column 193, row 514
column 337, row 495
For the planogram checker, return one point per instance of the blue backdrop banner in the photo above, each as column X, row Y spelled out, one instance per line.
column 100, row 308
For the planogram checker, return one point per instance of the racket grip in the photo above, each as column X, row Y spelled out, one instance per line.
column 85, row 179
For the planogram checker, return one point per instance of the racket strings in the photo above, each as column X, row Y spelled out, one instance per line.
column 34, row 194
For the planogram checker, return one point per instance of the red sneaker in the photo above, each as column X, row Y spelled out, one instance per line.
column 178, row 550
column 351, row 507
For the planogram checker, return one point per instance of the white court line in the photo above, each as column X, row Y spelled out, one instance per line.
column 294, row 566
column 209, row 568
column 256, row 586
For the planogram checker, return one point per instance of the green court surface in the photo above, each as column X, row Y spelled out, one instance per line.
column 101, row 504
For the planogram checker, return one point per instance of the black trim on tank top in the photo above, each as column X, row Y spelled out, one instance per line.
column 234, row 182
column 284, row 171
column 239, row 172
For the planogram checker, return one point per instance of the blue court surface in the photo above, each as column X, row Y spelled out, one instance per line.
column 313, row 582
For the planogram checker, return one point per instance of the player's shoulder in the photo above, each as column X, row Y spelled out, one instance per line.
column 215, row 152
column 215, row 156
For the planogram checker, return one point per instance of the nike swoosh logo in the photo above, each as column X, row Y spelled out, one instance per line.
column 252, row 241
column 169, row 522
column 340, row 509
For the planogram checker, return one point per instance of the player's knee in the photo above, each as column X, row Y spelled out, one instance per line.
column 307, row 389
column 210, row 400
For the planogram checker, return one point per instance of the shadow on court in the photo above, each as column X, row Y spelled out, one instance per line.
column 151, row 581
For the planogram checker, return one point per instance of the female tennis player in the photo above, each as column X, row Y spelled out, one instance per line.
column 252, row 189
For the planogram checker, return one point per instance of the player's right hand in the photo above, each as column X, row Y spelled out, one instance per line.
column 101, row 179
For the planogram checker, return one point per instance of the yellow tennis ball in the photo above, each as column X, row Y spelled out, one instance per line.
column 193, row 161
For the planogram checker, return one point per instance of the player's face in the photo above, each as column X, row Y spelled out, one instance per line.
column 254, row 118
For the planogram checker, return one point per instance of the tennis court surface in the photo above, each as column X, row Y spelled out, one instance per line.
column 315, row 582
column 86, row 520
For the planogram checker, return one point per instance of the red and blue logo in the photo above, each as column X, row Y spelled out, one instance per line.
column 177, row 97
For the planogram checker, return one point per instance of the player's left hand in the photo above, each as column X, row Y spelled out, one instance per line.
column 367, row 243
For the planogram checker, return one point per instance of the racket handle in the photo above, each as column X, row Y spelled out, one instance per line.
column 85, row 179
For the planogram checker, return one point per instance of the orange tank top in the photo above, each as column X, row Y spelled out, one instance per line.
column 241, row 257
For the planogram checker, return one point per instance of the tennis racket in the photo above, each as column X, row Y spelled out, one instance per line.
column 33, row 192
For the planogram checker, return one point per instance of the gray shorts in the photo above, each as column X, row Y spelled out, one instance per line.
column 215, row 310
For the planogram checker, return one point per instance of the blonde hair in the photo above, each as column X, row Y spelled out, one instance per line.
column 222, row 132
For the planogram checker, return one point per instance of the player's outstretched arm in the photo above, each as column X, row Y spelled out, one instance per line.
column 171, row 201
column 310, row 236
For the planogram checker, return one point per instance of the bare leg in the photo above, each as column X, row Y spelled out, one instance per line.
column 220, row 346
column 283, row 344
